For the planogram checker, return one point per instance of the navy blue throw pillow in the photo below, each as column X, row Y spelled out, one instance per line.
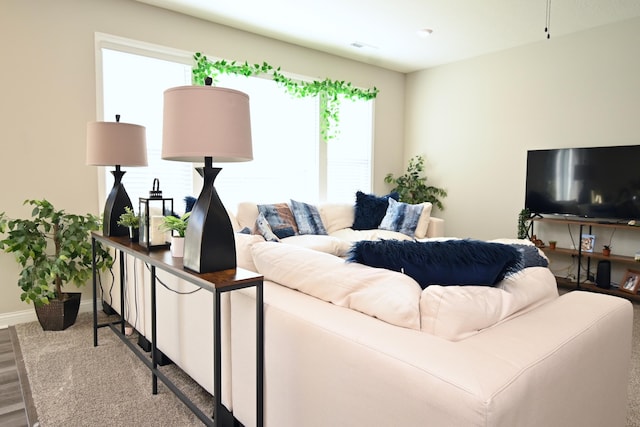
column 451, row 262
column 531, row 256
column 370, row 209
column 189, row 201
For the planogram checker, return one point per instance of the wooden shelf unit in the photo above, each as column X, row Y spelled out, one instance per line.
column 589, row 255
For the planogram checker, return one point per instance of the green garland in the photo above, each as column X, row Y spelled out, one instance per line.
column 331, row 92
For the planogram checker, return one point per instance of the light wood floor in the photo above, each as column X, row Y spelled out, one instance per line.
column 14, row 412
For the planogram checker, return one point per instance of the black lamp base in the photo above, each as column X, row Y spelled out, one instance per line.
column 209, row 243
column 117, row 200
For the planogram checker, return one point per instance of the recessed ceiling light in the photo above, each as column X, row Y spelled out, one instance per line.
column 424, row 32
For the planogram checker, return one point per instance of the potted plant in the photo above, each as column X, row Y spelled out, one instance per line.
column 606, row 250
column 53, row 248
column 413, row 188
column 130, row 220
column 552, row 244
column 177, row 224
column 524, row 224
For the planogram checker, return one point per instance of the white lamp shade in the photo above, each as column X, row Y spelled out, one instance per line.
column 114, row 143
column 206, row 121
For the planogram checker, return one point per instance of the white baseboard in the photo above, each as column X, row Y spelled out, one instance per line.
column 29, row 315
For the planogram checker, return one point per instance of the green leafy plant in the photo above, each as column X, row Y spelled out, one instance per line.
column 53, row 248
column 175, row 223
column 129, row 218
column 524, row 224
column 413, row 187
column 331, row 92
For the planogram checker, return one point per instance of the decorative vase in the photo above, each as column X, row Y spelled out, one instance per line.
column 59, row 315
column 177, row 246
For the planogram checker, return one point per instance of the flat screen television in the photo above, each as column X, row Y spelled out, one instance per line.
column 596, row 182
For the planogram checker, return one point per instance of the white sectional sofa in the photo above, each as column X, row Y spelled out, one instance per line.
column 352, row 345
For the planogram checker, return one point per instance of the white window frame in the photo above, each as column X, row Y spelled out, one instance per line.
column 122, row 44
column 107, row 41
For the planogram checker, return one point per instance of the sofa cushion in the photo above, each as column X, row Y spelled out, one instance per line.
column 352, row 236
column 280, row 218
column 337, row 216
column 307, row 218
column 246, row 214
column 322, row 243
column 244, row 257
column 387, row 295
column 401, row 217
column 457, row 312
column 452, row 262
column 370, row 209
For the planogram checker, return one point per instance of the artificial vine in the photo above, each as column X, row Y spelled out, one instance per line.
column 331, row 92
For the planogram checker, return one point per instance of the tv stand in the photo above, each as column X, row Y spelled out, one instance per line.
column 587, row 227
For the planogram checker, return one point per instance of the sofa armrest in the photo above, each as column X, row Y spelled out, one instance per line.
column 436, row 227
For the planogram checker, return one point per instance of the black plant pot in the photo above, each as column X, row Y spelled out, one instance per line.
column 59, row 315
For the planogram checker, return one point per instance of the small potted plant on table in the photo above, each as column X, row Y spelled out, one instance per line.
column 606, row 250
column 177, row 225
column 130, row 220
column 53, row 248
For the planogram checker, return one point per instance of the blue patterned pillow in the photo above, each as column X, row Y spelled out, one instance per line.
column 401, row 217
column 265, row 229
column 307, row 218
column 370, row 209
column 531, row 256
column 280, row 219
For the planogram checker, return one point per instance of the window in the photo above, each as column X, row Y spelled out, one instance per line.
column 349, row 155
column 133, row 86
column 290, row 159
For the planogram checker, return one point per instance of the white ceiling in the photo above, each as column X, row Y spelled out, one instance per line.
column 387, row 28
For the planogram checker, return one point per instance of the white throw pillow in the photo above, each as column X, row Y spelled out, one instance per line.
column 458, row 312
column 388, row 295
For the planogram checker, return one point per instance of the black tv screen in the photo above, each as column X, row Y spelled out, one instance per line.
column 596, row 182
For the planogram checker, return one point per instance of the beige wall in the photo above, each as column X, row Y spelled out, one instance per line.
column 474, row 120
column 48, row 95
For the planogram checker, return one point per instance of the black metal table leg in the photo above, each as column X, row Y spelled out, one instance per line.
column 95, row 291
column 259, row 354
column 122, row 284
column 154, row 361
column 217, row 364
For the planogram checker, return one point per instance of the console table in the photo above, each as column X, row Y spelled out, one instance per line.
column 216, row 283
column 588, row 226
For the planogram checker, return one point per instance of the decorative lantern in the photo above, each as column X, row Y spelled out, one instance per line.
column 152, row 211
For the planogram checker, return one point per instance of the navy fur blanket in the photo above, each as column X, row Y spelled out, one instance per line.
column 450, row 262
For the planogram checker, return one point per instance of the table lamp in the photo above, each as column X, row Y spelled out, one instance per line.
column 116, row 144
column 205, row 123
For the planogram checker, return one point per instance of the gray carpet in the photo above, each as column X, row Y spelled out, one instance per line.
column 76, row 384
